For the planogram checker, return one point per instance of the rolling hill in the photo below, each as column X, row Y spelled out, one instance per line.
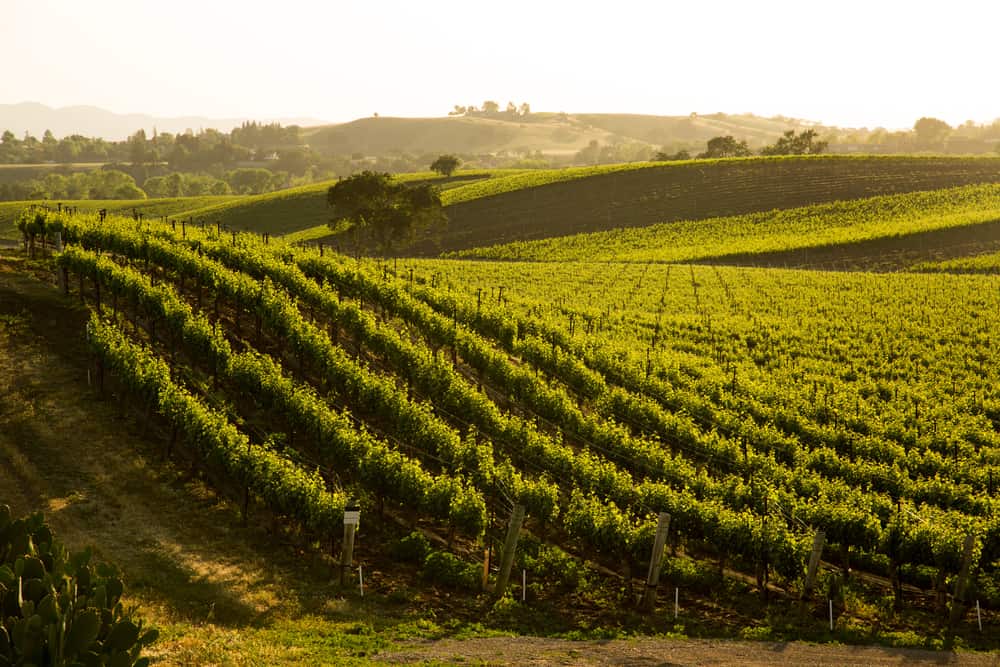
column 496, row 206
column 695, row 190
column 550, row 133
column 597, row 389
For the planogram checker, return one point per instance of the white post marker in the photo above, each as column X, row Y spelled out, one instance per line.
column 361, row 580
column 352, row 519
column 831, row 615
column 677, row 601
column 979, row 616
column 524, row 585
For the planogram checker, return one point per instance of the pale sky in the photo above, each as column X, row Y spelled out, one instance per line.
column 849, row 63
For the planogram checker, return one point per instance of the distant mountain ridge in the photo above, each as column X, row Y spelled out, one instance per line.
column 89, row 121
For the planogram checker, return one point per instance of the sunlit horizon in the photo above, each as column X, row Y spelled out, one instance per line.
column 851, row 65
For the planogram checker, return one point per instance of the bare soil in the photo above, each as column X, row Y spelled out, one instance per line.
column 663, row 652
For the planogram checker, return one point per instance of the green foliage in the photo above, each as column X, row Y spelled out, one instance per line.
column 446, row 569
column 383, row 212
column 58, row 608
column 246, row 181
column 552, row 565
column 96, row 184
column 693, row 406
column 931, row 132
column 803, row 143
column 385, row 472
column 185, row 185
column 413, row 548
column 727, row 146
column 445, row 165
column 282, row 484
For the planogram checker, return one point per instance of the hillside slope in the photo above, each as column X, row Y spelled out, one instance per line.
column 550, row 133
column 695, row 190
column 924, row 225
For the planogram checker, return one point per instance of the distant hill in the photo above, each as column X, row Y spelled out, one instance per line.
column 550, row 133
column 90, row 121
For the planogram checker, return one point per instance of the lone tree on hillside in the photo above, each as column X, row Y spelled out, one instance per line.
column 790, row 143
column 445, row 165
column 726, row 146
column 382, row 212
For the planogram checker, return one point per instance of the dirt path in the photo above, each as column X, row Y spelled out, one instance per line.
column 537, row 651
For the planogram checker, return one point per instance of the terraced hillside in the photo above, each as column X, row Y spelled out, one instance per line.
column 694, row 191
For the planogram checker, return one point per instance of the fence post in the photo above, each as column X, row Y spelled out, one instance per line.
column 958, row 603
column 509, row 547
column 655, row 562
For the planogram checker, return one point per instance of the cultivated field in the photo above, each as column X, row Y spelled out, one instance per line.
column 772, row 413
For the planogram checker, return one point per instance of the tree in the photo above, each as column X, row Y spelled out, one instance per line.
column 382, row 211
column 790, row 143
column 137, row 147
column 246, row 181
column 445, row 165
column 931, row 132
column 726, row 147
column 490, row 108
column 663, row 156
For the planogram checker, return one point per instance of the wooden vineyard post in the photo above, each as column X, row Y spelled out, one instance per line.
column 655, row 562
column 958, row 603
column 509, row 547
column 352, row 518
column 817, row 552
column 64, row 280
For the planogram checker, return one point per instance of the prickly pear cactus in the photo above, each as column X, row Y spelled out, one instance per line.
column 58, row 608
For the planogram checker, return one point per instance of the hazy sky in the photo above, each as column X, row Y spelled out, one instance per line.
column 847, row 63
